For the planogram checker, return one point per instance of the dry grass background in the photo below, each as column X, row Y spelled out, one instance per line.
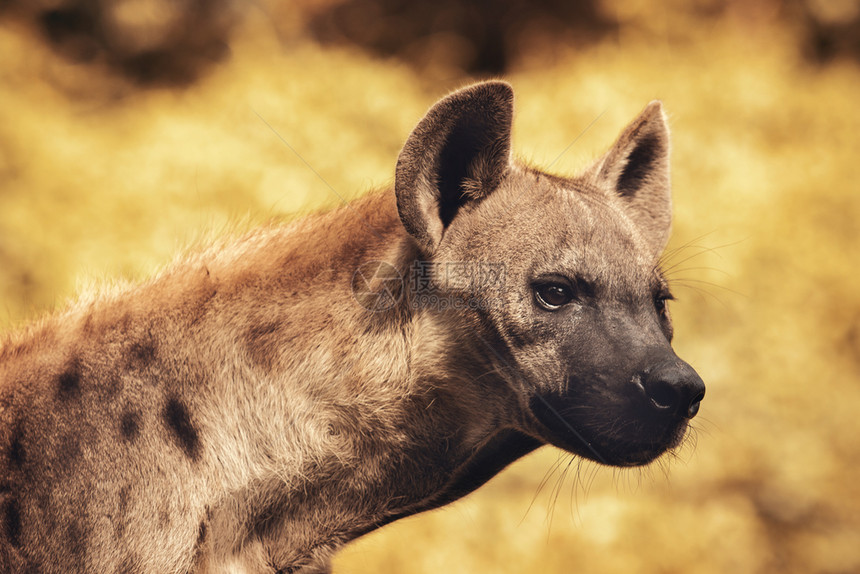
column 102, row 179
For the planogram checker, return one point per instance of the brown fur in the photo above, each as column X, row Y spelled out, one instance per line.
column 242, row 409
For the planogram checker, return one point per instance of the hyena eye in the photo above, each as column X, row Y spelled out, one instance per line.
column 552, row 296
column 660, row 303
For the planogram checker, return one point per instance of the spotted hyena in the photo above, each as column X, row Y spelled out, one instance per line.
column 259, row 404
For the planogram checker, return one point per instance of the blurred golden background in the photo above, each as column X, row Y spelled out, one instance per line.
column 130, row 128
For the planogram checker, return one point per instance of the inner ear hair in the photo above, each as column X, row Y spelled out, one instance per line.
column 459, row 152
column 636, row 169
column 460, row 174
column 641, row 164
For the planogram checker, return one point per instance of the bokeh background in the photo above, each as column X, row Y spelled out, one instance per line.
column 130, row 128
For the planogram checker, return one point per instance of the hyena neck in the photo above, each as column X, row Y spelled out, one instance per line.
column 363, row 411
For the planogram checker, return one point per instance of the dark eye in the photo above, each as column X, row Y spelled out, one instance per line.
column 660, row 303
column 552, row 296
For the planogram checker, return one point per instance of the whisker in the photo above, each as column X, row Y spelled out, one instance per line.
column 702, row 422
column 544, row 481
column 711, row 284
column 669, row 274
column 553, row 500
column 689, row 244
column 700, row 291
column 701, row 251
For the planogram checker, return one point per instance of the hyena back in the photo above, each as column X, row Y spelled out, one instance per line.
column 247, row 410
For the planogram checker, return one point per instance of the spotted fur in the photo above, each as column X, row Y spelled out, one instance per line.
column 244, row 410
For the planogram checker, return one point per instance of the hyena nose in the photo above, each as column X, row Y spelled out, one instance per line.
column 675, row 387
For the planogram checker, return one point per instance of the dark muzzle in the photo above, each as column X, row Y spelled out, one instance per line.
column 674, row 387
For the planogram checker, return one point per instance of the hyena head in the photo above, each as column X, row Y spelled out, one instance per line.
column 579, row 330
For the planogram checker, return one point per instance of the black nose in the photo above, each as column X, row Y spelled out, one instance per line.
column 675, row 387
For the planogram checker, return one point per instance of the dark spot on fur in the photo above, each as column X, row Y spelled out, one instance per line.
column 17, row 453
column 201, row 533
column 130, row 425
column 76, row 540
column 178, row 420
column 124, row 495
column 164, row 517
column 270, row 516
column 200, row 546
column 261, row 343
column 124, row 324
column 69, row 382
column 112, row 385
column 259, row 331
column 639, row 164
column 142, row 354
column 12, row 522
column 122, row 511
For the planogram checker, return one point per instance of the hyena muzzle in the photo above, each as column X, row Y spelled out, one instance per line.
column 261, row 403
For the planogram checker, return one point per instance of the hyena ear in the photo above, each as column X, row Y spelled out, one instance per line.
column 458, row 153
column 637, row 169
